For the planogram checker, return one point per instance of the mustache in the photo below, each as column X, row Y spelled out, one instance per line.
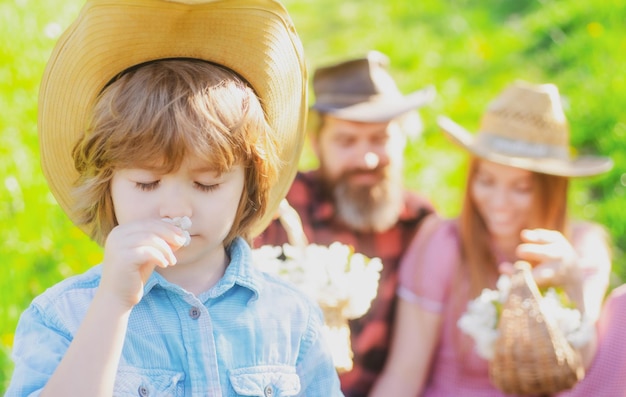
column 378, row 171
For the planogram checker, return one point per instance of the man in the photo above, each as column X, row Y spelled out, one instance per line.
column 357, row 196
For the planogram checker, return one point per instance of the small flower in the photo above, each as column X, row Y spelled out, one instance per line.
column 182, row 222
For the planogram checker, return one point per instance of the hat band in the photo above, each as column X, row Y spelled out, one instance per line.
column 337, row 100
column 515, row 147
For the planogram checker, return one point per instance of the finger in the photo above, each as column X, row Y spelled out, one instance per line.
column 179, row 238
column 506, row 268
column 156, row 256
column 172, row 234
column 537, row 253
column 132, row 243
column 540, row 236
column 546, row 274
column 164, row 250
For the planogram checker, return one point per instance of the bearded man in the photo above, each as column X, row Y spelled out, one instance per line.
column 361, row 123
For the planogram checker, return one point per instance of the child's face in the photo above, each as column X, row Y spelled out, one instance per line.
column 208, row 199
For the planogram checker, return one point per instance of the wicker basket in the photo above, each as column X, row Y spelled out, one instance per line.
column 532, row 356
column 337, row 333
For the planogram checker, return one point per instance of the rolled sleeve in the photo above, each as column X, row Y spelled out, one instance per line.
column 427, row 269
column 38, row 349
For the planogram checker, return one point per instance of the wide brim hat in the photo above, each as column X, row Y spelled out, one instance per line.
column 362, row 90
column 254, row 38
column 525, row 127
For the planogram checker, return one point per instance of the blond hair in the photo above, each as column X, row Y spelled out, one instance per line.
column 164, row 111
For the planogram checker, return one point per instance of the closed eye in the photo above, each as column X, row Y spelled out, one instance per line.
column 146, row 187
column 206, row 188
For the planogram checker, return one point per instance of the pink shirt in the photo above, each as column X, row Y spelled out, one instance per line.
column 429, row 282
column 607, row 374
column 427, row 278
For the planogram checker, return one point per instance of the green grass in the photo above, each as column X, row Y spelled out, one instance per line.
column 469, row 50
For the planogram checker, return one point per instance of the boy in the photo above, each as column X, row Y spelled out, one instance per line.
column 184, row 134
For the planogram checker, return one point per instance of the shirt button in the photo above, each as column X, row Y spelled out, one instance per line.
column 194, row 313
column 143, row 391
column 268, row 391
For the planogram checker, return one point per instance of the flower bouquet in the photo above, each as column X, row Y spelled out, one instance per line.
column 341, row 281
column 527, row 335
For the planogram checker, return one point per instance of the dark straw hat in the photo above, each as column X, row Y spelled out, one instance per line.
column 363, row 90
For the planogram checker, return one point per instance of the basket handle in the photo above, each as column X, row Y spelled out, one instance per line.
column 291, row 222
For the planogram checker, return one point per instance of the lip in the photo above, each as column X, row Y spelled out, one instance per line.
column 365, row 178
column 499, row 222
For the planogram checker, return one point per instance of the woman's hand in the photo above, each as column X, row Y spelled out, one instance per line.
column 554, row 260
column 131, row 253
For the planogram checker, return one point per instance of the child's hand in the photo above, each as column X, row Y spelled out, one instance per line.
column 554, row 258
column 131, row 253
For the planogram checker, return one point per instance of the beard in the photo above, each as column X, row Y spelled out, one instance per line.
column 369, row 208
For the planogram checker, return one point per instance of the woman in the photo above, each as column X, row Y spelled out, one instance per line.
column 514, row 209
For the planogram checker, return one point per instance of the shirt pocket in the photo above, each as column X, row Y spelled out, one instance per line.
column 138, row 382
column 265, row 381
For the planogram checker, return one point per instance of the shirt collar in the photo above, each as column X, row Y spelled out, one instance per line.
column 240, row 271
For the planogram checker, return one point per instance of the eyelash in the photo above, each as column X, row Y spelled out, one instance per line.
column 206, row 188
column 147, row 187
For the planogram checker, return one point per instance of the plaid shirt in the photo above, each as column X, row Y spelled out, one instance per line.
column 371, row 333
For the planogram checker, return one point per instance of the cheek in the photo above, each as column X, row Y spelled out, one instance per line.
column 127, row 209
column 335, row 148
column 479, row 193
column 123, row 202
column 130, row 203
column 334, row 159
column 224, row 203
column 522, row 201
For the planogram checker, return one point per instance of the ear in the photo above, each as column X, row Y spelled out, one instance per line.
column 314, row 127
column 315, row 144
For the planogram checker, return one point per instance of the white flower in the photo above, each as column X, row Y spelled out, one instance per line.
column 333, row 275
column 182, row 222
column 481, row 317
column 341, row 281
column 479, row 322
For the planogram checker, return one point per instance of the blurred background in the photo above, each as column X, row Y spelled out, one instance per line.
column 468, row 50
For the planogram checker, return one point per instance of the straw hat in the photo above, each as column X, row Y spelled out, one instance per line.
column 254, row 38
column 362, row 90
column 525, row 127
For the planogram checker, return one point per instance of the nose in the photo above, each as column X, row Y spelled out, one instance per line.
column 371, row 160
column 500, row 197
column 368, row 157
column 175, row 202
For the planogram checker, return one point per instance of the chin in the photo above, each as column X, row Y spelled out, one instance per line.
column 504, row 231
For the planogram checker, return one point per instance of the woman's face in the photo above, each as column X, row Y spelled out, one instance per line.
column 503, row 196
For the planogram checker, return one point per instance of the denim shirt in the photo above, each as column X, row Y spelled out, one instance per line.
column 250, row 335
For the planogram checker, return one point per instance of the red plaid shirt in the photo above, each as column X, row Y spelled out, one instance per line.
column 371, row 333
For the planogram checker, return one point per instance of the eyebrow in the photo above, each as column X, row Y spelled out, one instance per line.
column 211, row 169
column 203, row 169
